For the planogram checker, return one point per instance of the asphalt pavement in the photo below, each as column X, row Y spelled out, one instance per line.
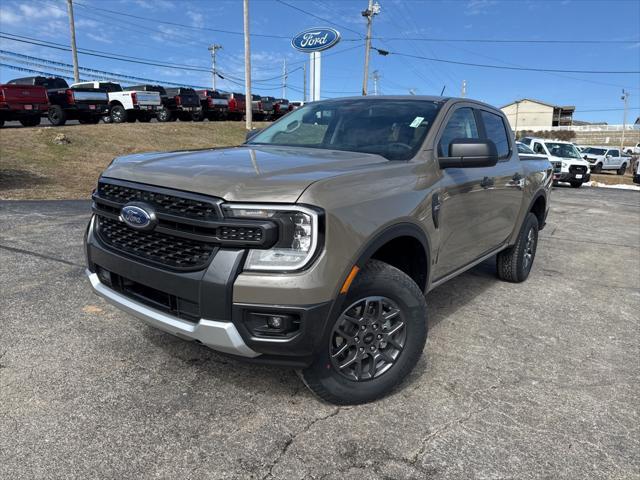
column 535, row 380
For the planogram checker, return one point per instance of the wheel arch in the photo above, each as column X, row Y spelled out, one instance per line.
column 398, row 245
column 538, row 206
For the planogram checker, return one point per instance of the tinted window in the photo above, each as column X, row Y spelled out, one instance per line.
column 614, row 153
column 462, row 124
column 496, row 132
column 538, row 148
column 594, row 151
column 563, row 150
column 522, row 148
column 394, row 129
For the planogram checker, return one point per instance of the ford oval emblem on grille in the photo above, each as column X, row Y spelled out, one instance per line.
column 140, row 217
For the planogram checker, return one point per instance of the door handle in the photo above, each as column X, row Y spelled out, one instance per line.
column 435, row 209
column 487, row 182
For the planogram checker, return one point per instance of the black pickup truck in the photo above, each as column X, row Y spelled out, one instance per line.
column 214, row 106
column 86, row 105
column 182, row 103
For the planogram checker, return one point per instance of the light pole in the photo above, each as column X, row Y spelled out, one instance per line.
column 213, row 49
column 369, row 13
column 625, row 99
column 247, row 67
column 74, row 52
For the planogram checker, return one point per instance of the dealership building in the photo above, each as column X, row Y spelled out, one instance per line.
column 528, row 114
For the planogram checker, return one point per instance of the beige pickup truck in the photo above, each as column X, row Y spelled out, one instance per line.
column 313, row 244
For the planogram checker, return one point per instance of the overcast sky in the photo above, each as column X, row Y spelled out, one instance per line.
column 343, row 65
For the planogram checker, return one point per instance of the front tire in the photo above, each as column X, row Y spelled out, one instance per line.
column 597, row 168
column 375, row 342
column 514, row 263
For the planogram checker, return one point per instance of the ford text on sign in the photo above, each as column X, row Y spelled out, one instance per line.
column 315, row 39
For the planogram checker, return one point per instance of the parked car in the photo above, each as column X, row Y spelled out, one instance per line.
column 526, row 153
column 296, row 105
column 24, row 103
column 633, row 150
column 281, row 107
column 86, row 105
column 604, row 158
column 214, row 106
column 125, row 105
column 323, row 259
column 568, row 166
column 237, row 105
column 182, row 103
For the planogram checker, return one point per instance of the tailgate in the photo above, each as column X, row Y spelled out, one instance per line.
column 148, row 98
column 24, row 94
column 190, row 100
column 90, row 96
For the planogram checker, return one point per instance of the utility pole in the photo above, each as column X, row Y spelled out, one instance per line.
column 625, row 99
column 247, row 67
column 74, row 51
column 213, row 49
column 284, row 78
column 376, row 76
column 369, row 13
column 304, row 82
column 463, row 94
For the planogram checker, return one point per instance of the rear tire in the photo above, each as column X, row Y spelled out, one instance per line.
column 30, row 121
column 118, row 114
column 576, row 184
column 622, row 169
column 198, row 116
column 514, row 263
column 57, row 116
column 367, row 352
column 164, row 115
column 107, row 119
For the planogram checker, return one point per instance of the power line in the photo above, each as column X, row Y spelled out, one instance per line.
column 175, row 24
column 502, row 67
column 499, row 41
column 321, row 18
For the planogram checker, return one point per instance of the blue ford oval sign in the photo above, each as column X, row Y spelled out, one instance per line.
column 315, row 39
column 138, row 217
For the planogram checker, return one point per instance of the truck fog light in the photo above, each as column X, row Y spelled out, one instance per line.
column 263, row 324
column 276, row 321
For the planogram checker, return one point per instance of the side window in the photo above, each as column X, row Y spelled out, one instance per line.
column 496, row 132
column 538, row 148
column 462, row 124
column 614, row 153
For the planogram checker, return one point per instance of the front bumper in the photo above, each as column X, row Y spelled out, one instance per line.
column 570, row 177
column 202, row 307
column 221, row 336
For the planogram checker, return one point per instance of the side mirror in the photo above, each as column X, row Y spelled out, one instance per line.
column 252, row 133
column 470, row 153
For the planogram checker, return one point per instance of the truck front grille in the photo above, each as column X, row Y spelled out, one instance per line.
column 162, row 202
column 153, row 246
column 577, row 169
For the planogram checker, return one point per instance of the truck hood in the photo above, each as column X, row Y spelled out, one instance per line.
column 246, row 174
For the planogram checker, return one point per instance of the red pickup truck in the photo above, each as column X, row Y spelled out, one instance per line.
column 24, row 103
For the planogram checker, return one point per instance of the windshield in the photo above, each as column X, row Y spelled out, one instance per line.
column 562, row 150
column 594, row 151
column 522, row 148
column 394, row 129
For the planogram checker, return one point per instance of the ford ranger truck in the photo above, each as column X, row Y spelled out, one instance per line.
column 24, row 103
column 604, row 158
column 126, row 105
column 313, row 244
column 568, row 165
column 87, row 105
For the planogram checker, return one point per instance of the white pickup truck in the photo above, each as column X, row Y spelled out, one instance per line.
column 126, row 106
column 568, row 166
column 632, row 150
column 603, row 158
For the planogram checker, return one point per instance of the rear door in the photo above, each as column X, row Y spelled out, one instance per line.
column 505, row 197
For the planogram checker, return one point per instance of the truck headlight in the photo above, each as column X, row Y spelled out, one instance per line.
column 298, row 237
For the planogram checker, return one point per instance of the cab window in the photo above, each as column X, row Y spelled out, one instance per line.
column 538, row 148
column 614, row 153
column 462, row 124
column 496, row 132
